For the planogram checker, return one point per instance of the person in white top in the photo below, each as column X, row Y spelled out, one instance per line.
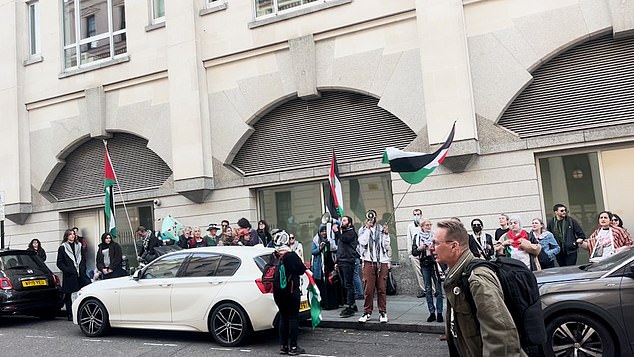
column 412, row 230
column 296, row 246
column 376, row 254
column 607, row 240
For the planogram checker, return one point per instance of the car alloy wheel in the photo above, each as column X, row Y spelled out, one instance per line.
column 229, row 325
column 579, row 335
column 93, row 318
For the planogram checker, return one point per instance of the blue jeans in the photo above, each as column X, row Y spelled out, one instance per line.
column 429, row 278
column 358, row 285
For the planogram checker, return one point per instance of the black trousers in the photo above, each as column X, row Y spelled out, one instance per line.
column 288, row 304
column 564, row 259
column 346, row 270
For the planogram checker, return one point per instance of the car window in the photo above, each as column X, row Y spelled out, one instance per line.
column 202, row 265
column 18, row 261
column 228, row 266
column 262, row 260
column 164, row 267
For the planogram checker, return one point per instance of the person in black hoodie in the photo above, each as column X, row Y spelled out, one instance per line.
column 347, row 242
column 109, row 258
column 36, row 247
column 480, row 243
column 73, row 267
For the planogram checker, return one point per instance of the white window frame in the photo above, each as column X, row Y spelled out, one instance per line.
column 154, row 19
column 286, row 11
column 79, row 42
column 33, row 22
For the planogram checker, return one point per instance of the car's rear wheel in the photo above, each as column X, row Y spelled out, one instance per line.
column 229, row 324
column 579, row 335
column 93, row 318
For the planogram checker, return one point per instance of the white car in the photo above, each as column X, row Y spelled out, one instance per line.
column 214, row 289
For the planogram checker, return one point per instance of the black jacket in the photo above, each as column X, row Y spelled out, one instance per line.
column 72, row 280
column 474, row 246
column 115, row 254
column 347, row 242
column 572, row 231
column 40, row 253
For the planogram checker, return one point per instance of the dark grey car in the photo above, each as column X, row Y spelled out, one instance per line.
column 589, row 309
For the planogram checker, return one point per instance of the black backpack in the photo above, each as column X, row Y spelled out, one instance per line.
column 521, row 297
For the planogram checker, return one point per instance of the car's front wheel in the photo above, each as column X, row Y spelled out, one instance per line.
column 93, row 318
column 229, row 325
column 579, row 335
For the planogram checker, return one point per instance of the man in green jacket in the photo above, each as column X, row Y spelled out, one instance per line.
column 489, row 331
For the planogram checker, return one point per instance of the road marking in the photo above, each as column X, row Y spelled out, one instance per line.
column 220, row 349
column 160, row 344
column 95, row 340
column 245, row 350
column 29, row 336
column 307, row 354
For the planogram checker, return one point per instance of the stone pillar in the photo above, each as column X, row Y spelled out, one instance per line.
column 447, row 89
column 14, row 146
column 189, row 107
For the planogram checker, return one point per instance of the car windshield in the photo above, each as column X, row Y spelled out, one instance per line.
column 611, row 262
column 262, row 260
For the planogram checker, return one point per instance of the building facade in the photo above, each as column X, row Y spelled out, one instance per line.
column 221, row 109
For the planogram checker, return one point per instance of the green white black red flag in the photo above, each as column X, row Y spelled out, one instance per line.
column 109, row 180
column 413, row 167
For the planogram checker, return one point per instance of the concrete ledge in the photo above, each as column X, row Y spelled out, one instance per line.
column 353, row 324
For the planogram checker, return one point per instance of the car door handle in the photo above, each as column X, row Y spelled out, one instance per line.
column 165, row 284
column 216, row 282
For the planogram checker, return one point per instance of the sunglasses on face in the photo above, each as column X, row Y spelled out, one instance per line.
column 615, row 219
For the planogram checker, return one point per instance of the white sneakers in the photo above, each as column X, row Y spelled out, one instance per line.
column 365, row 317
column 382, row 317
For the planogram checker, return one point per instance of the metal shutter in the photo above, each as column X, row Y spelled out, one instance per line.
column 588, row 86
column 302, row 133
column 136, row 166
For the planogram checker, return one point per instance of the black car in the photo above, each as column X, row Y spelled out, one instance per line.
column 27, row 285
column 589, row 309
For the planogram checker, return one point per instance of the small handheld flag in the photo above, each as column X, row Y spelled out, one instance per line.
column 414, row 167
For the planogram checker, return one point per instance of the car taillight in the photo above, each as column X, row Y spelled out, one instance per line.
column 5, row 284
column 56, row 280
column 262, row 286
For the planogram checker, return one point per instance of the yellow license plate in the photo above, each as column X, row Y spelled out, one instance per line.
column 303, row 306
column 38, row 282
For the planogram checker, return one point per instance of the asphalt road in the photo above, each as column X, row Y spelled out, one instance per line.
column 25, row 336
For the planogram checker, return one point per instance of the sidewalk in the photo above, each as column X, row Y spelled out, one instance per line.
column 405, row 313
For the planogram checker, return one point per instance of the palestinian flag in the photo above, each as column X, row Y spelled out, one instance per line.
column 109, row 181
column 335, row 201
column 415, row 166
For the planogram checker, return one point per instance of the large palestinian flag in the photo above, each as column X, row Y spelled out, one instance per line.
column 109, row 181
column 413, row 167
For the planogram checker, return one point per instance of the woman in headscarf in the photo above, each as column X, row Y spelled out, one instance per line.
column 516, row 244
column 606, row 240
column 109, row 258
column 36, row 247
column 73, row 266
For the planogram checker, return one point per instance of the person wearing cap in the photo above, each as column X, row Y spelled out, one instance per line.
column 212, row 237
column 287, row 296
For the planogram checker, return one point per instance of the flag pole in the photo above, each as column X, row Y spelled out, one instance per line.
column 397, row 205
column 125, row 208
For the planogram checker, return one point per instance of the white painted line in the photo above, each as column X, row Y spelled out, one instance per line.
column 220, row 349
column 160, row 344
column 29, row 336
column 245, row 350
column 96, row 340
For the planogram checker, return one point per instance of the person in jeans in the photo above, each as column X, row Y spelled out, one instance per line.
column 412, row 230
column 422, row 249
column 347, row 242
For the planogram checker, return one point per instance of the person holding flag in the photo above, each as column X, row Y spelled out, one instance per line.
column 109, row 181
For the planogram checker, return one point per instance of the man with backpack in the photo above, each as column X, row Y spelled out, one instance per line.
column 480, row 324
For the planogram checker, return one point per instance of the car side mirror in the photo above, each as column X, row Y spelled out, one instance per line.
column 136, row 275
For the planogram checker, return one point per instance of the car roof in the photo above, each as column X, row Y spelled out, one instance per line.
column 16, row 252
column 238, row 251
